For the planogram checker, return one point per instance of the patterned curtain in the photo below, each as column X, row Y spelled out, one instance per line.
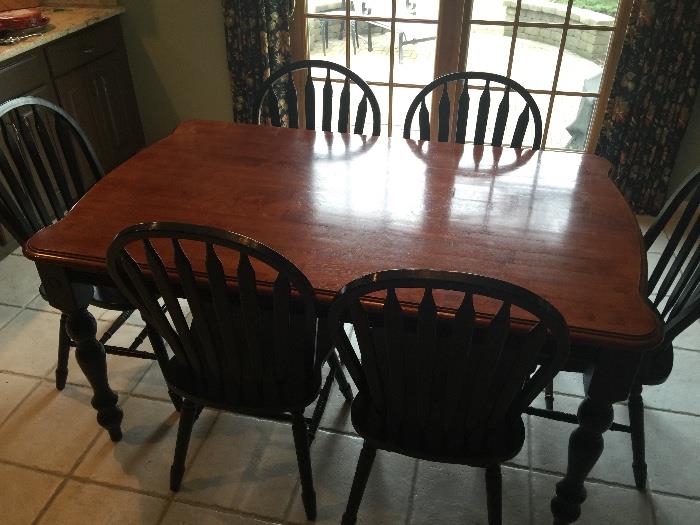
column 652, row 98
column 257, row 42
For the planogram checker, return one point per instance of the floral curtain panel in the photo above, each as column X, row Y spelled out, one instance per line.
column 257, row 42
column 652, row 98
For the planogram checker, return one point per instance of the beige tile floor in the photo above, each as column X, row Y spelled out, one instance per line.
column 57, row 466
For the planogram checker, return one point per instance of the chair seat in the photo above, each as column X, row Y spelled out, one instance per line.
column 656, row 369
column 180, row 380
column 494, row 446
column 103, row 297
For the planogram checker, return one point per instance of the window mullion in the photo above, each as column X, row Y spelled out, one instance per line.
column 392, row 40
column 555, row 82
column 447, row 50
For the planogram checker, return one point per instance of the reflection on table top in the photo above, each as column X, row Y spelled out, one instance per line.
column 340, row 206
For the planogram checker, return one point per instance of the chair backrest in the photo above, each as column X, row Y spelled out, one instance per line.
column 245, row 346
column 459, row 111
column 446, row 381
column 287, row 89
column 675, row 280
column 46, row 165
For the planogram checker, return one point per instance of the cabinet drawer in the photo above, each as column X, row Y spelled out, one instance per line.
column 84, row 46
column 22, row 74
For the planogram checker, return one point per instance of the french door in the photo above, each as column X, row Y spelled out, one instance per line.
column 563, row 51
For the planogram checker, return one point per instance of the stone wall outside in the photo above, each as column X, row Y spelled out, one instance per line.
column 592, row 45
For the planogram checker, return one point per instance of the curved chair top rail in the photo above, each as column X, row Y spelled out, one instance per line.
column 211, row 236
column 444, row 112
column 459, row 282
column 509, row 294
column 242, row 349
column 43, row 172
column 266, row 93
column 676, row 277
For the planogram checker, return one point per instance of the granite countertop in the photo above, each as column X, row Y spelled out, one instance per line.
column 63, row 21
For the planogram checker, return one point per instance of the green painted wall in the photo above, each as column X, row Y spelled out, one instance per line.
column 177, row 54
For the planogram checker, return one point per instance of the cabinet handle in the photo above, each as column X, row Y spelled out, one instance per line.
column 89, row 50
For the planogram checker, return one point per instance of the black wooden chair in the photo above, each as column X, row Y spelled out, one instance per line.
column 271, row 92
column 674, row 290
column 448, row 390
column 46, row 165
column 243, row 351
column 460, row 113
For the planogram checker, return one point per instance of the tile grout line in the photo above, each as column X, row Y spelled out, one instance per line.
column 530, row 477
column 192, row 458
column 20, row 403
column 286, row 516
column 412, row 493
column 20, row 309
column 67, row 477
column 229, row 511
column 624, row 404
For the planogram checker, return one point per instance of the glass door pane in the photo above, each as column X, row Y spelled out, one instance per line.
column 390, row 44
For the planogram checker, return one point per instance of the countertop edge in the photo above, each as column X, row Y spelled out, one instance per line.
column 10, row 51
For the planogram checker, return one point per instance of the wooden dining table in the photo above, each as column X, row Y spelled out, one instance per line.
column 340, row 206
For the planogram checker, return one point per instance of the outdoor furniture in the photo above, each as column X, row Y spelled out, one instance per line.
column 674, row 290
column 343, row 205
column 331, row 9
column 462, row 104
column 579, row 127
column 407, row 33
column 242, row 352
column 268, row 96
column 46, row 165
column 452, row 391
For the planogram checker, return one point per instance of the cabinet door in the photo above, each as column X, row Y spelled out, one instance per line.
column 46, row 92
column 78, row 94
column 118, row 110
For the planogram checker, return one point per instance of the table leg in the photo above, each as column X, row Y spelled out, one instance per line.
column 73, row 299
column 90, row 354
column 609, row 382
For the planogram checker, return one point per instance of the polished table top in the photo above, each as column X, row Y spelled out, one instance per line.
column 340, row 206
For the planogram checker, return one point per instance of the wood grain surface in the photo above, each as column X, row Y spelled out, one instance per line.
column 340, row 206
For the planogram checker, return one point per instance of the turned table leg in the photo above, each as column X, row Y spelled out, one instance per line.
column 608, row 382
column 90, row 354
column 585, row 447
column 73, row 299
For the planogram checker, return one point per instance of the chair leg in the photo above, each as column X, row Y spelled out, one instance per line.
column 63, row 353
column 337, row 368
column 359, row 482
column 301, row 443
column 635, row 406
column 184, row 431
column 549, row 396
column 320, row 407
column 493, row 493
column 116, row 325
column 161, row 356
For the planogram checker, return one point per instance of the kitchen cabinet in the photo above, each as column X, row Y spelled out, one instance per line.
column 93, row 83
column 87, row 73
